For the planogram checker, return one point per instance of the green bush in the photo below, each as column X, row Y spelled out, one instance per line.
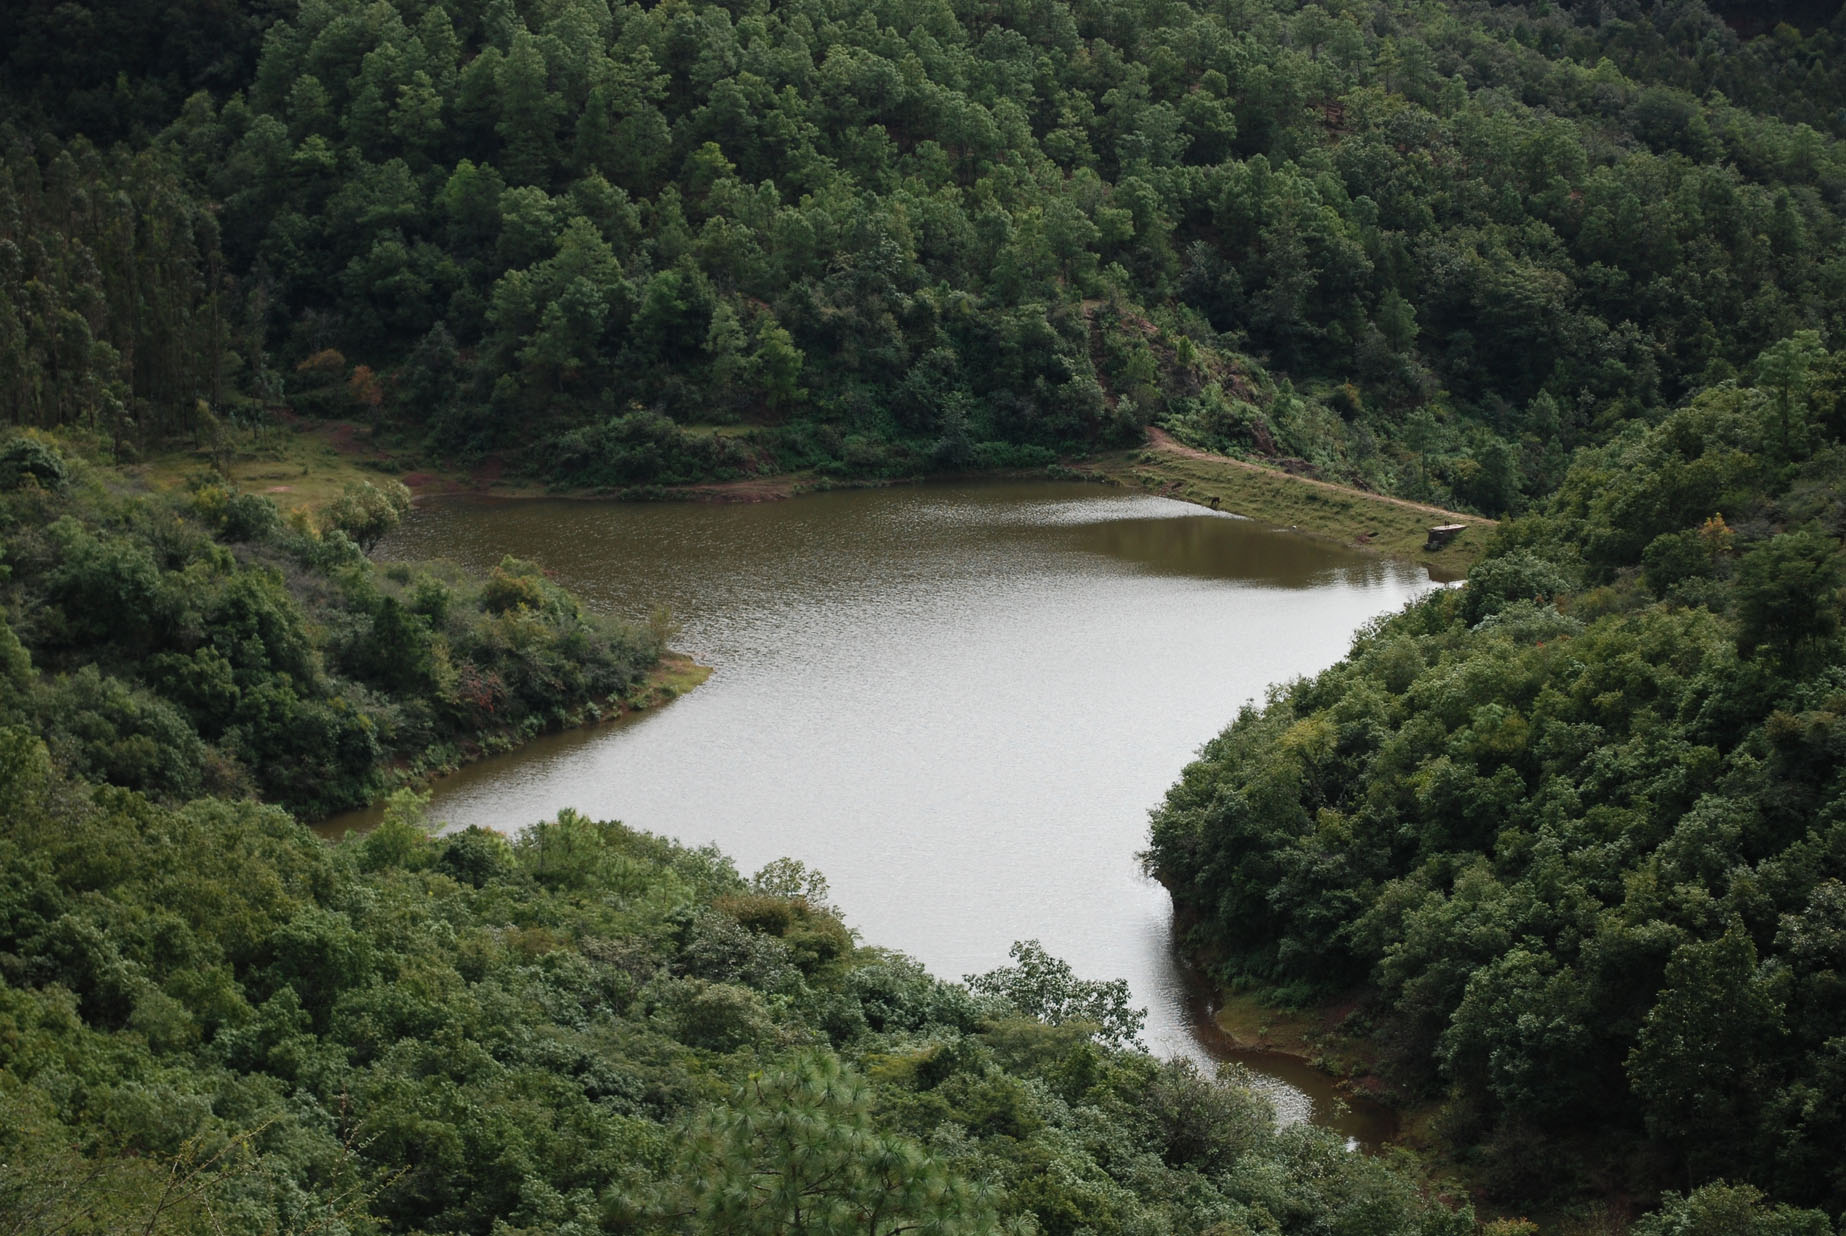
column 28, row 461
column 643, row 448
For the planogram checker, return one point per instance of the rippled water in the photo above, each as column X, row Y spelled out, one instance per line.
column 959, row 702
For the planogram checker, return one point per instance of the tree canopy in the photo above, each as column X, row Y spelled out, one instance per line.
column 198, row 642
column 211, row 1020
column 1431, row 247
column 1575, row 829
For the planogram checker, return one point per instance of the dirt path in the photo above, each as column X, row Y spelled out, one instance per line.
column 1161, row 440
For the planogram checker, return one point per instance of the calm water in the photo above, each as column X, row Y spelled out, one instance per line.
column 959, row 702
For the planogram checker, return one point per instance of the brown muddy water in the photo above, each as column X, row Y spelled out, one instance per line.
column 957, row 701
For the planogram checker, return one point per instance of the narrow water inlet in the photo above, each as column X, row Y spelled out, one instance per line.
column 1299, row 1091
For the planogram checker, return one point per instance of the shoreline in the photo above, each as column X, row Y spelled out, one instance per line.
column 672, row 676
column 1360, row 1109
column 315, row 459
column 1372, row 524
column 1311, row 1040
column 1349, row 517
column 303, row 463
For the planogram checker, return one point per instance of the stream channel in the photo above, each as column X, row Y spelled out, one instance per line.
column 958, row 702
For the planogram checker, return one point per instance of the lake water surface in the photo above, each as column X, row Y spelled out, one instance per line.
column 959, row 702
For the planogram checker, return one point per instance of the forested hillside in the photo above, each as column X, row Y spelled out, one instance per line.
column 1577, row 832
column 1574, row 836
column 212, row 1021
column 199, row 643
column 1432, row 247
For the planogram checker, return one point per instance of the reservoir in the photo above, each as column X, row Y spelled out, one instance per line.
column 958, row 702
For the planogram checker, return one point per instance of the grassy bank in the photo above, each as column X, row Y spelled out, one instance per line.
column 1321, row 1036
column 1351, row 517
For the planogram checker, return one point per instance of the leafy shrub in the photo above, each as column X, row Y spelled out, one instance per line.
column 475, row 856
column 1043, row 987
column 124, row 735
column 28, row 461
column 643, row 448
column 366, row 512
column 1520, row 575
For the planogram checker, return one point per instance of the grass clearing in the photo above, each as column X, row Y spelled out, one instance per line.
column 304, row 465
column 724, row 430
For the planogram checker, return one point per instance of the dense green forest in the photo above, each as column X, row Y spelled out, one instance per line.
column 213, row 1021
column 1430, row 247
column 1577, row 831
column 1575, row 835
column 199, row 643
